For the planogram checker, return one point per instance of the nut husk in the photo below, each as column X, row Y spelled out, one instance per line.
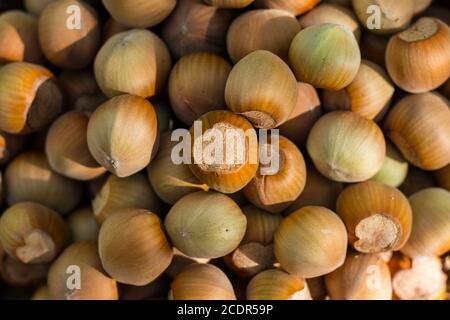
column 32, row 233
column 122, row 134
column 393, row 15
column 263, row 29
column 29, row 178
column 71, row 47
column 368, row 95
column 326, row 56
column 197, row 85
column 274, row 189
column 378, row 217
column 195, row 26
column 311, row 242
column 83, row 225
column 262, row 88
column 430, row 234
column 18, row 37
column 419, row 125
column 205, row 225
column 202, row 282
column 233, row 168
column 362, row 277
column 305, row 114
column 94, row 284
column 119, row 193
column 35, row 105
column 145, row 77
column 346, row 147
column 295, row 7
column 423, row 46
column 169, row 180
column 133, row 247
column 67, row 149
column 277, row 285
column 139, row 14
column 331, row 13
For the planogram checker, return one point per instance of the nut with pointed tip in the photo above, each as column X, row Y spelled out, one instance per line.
column 119, row 193
column 67, row 149
column 264, row 29
column 69, row 46
column 32, row 233
column 29, row 177
column 205, row 225
column 94, row 283
column 35, row 105
column 235, row 160
column 139, row 14
column 424, row 46
column 277, row 285
column 18, row 37
column 202, row 282
column 361, row 277
column 394, row 170
column 171, row 181
column 145, row 77
column 262, row 88
column 142, row 231
column 410, row 119
column 378, row 217
column 83, row 225
column 368, row 95
column 122, row 134
column 393, row 15
column 430, row 234
column 197, row 85
column 346, row 147
column 326, row 56
column 279, row 181
column 295, row 7
column 311, row 242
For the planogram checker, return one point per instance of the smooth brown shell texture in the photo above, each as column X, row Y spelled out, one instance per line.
column 202, row 282
column 169, row 180
column 65, row 45
column 393, row 15
column 29, row 177
column 236, row 168
column 431, row 223
column 274, row 191
column 135, row 62
column 230, row 4
column 95, row 284
column 277, row 285
column 424, row 46
column 32, row 233
column 120, row 193
column 83, row 225
column 262, row 88
column 195, row 26
column 138, row 13
column 122, row 134
column 331, row 13
column 311, row 242
column 295, row 7
column 67, row 150
column 18, row 37
column 264, row 29
column 29, row 98
column 346, row 147
column 205, row 225
column 419, row 125
column 197, row 85
column 378, row 217
column 133, row 247
column 362, row 277
column 369, row 94
column 305, row 114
